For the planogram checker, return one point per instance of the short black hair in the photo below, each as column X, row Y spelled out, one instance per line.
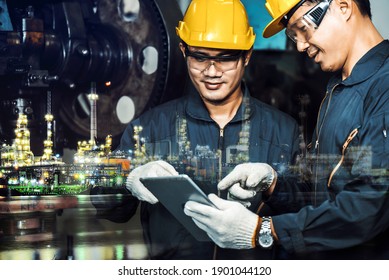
column 364, row 7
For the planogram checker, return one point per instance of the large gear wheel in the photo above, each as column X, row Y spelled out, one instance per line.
column 148, row 67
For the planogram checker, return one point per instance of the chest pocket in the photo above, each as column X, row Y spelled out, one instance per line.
column 265, row 151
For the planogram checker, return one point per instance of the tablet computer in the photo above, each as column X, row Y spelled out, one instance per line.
column 173, row 192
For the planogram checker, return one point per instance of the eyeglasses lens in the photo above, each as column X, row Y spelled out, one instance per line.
column 222, row 63
column 302, row 29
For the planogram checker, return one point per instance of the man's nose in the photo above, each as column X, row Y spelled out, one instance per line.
column 212, row 70
column 302, row 46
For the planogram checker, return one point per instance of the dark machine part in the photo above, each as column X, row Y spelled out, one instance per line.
column 128, row 48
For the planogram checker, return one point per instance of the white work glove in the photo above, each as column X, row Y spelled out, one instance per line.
column 230, row 225
column 158, row 168
column 246, row 180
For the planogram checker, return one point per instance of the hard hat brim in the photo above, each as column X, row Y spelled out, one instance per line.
column 275, row 25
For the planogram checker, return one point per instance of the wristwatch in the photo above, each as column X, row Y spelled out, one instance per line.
column 264, row 237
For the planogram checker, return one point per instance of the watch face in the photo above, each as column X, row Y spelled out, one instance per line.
column 265, row 241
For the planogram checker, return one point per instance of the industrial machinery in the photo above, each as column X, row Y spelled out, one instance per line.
column 51, row 51
column 73, row 74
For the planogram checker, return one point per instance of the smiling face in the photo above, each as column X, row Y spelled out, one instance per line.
column 329, row 44
column 214, row 85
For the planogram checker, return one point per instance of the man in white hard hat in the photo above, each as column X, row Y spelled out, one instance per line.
column 348, row 216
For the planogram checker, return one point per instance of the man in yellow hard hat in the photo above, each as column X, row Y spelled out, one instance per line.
column 213, row 127
column 348, row 217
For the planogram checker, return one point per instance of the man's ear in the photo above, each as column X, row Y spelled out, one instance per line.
column 248, row 56
column 182, row 48
column 345, row 7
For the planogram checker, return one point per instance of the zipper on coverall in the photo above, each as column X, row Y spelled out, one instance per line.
column 220, row 146
column 318, row 132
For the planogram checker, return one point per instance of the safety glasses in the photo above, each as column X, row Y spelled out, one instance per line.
column 303, row 28
column 222, row 63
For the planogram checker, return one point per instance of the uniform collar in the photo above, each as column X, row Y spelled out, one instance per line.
column 366, row 67
column 196, row 109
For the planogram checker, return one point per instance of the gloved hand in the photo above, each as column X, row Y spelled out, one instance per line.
column 151, row 169
column 230, row 225
column 246, row 179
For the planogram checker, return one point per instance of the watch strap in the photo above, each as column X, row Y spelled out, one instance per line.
column 265, row 228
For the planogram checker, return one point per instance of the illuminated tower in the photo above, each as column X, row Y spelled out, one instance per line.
column 108, row 145
column 89, row 151
column 93, row 97
column 48, row 143
column 140, row 148
column 23, row 154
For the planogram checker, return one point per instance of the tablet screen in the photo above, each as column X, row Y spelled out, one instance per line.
column 173, row 192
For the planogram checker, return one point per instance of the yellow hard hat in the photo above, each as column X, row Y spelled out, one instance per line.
column 219, row 24
column 278, row 9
